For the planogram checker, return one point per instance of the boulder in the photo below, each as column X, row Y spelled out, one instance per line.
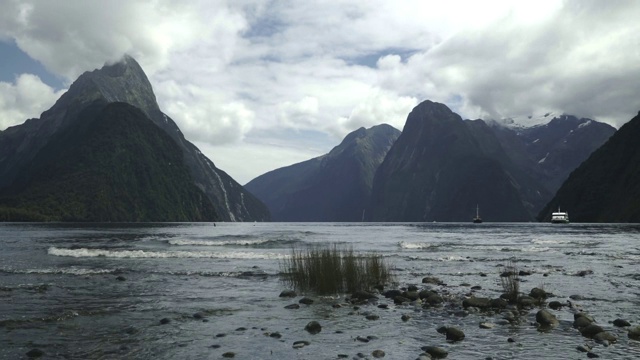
column 288, row 293
column 399, row 300
column 35, row 353
column 411, row 295
column 229, row 354
column 477, row 302
column 634, row 333
column 292, row 306
column 363, row 295
column 605, row 337
column 435, row 352
column 390, row 294
column 454, row 334
column 499, row 303
column 581, row 320
column 378, row 354
column 538, row 294
column 546, row 319
column 621, row 323
column 306, row 301
column 432, row 280
column 313, row 327
column 555, row 305
column 591, row 330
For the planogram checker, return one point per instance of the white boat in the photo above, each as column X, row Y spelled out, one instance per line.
column 560, row 217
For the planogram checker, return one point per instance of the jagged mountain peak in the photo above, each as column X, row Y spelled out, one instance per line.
column 123, row 81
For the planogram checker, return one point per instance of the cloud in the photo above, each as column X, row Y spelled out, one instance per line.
column 232, row 73
column 27, row 97
column 71, row 37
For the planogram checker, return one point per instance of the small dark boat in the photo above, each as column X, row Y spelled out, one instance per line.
column 477, row 219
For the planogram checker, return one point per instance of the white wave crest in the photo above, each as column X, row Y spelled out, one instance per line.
column 410, row 245
column 216, row 243
column 67, row 271
column 453, row 258
column 545, row 241
column 83, row 252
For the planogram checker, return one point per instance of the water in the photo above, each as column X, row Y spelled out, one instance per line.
column 60, row 293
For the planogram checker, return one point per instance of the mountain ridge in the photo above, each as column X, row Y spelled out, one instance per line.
column 125, row 81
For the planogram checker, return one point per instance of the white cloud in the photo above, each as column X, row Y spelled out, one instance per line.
column 232, row 72
column 26, row 98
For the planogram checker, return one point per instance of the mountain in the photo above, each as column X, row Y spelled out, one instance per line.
column 549, row 152
column 332, row 187
column 605, row 187
column 122, row 82
column 116, row 165
column 441, row 167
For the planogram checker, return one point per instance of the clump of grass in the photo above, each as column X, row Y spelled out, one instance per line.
column 510, row 281
column 331, row 270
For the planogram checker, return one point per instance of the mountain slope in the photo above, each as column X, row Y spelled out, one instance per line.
column 549, row 152
column 441, row 167
column 606, row 187
column 333, row 187
column 125, row 82
column 115, row 166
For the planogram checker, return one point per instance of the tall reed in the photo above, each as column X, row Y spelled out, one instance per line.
column 329, row 269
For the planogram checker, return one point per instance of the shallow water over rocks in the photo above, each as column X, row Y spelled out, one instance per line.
column 165, row 291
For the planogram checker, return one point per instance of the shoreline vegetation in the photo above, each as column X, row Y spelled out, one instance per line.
column 363, row 279
column 329, row 270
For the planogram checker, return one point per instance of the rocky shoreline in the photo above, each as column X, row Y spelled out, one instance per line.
column 433, row 295
column 506, row 310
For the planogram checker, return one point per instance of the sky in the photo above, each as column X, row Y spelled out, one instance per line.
column 259, row 84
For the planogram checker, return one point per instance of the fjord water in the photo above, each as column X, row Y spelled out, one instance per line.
column 99, row 291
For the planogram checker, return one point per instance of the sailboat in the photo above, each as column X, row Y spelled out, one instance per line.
column 477, row 219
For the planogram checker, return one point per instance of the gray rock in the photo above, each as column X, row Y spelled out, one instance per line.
column 292, row 306
column 35, row 353
column 300, row 344
column 555, row 305
column 591, row 330
column 306, row 301
column 634, row 333
column 378, row 354
column 432, row 280
column 363, row 295
column 405, row 317
column 538, row 294
column 583, row 348
column 372, row 317
column 545, row 318
column 487, row 325
column 621, row 323
column 435, row 352
column 313, row 327
column 198, row 315
column 592, row 355
column 399, row 300
column 454, row 334
column 288, row 293
column 581, row 320
column 477, row 302
column 499, row 303
column 121, row 278
column 165, row 321
column 229, row 354
column 526, row 301
column 392, row 294
column 605, row 337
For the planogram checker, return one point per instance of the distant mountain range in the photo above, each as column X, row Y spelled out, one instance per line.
column 332, row 187
column 106, row 152
column 439, row 169
column 605, row 187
